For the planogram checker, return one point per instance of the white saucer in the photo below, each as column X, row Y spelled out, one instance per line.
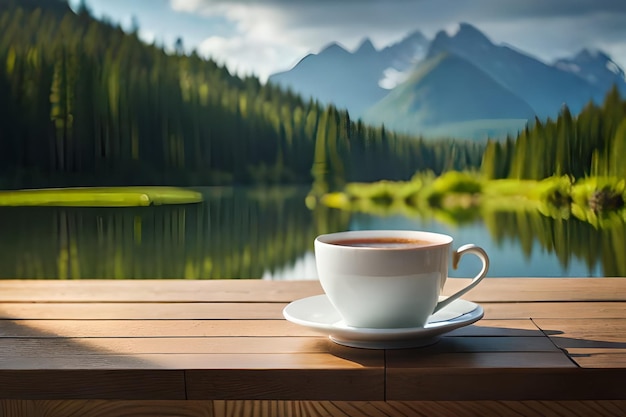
column 318, row 314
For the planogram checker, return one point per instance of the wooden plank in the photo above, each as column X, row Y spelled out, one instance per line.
column 591, row 343
column 140, row 311
column 500, row 328
column 585, row 333
column 163, row 310
column 53, row 347
column 214, row 328
column 505, row 408
column 135, row 331
column 300, row 363
column 106, row 408
column 254, row 375
column 365, row 384
column 161, row 352
column 567, row 310
column 490, row 290
column 123, row 384
column 542, row 289
column 419, row 408
column 451, row 344
column 599, row 358
column 273, row 408
column 156, row 311
column 412, row 361
column 61, row 347
column 507, row 383
column 150, row 328
column 81, row 291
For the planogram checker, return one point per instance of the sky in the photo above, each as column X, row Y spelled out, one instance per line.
column 262, row 37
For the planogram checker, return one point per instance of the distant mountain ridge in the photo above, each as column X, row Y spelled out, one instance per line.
column 430, row 98
column 351, row 79
column 546, row 88
column 595, row 67
column 434, row 87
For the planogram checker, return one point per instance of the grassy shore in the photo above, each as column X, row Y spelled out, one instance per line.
column 99, row 196
column 459, row 196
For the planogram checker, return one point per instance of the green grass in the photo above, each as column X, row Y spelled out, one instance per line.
column 99, row 197
column 460, row 197
column 510, row 187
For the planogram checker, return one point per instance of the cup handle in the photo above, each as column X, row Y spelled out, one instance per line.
column 456, row 257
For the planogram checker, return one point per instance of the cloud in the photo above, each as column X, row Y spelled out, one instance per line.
column 247, row 56
column 271, row 35
column 257, row 45
column 561, row 36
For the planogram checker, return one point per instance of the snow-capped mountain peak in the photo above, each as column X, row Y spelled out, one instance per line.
column 596, row 67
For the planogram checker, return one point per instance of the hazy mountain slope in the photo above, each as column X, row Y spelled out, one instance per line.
column 360, row 80
column 446, row 89
column 352, row 80
column 337, row 76
column 545, row 88
column 595, row 67
column 401, row 57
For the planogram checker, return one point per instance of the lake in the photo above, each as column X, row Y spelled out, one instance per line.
column 268, row 233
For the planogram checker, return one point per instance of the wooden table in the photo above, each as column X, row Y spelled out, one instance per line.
column 222, row 348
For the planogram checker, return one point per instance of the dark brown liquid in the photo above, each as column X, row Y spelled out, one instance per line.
column 382, row 242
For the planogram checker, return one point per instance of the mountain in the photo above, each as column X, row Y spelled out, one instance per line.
column 436, row 94
column 352, row 80
column 544, row 87
column 360, row 82
column 401, row 57
column 595, row 67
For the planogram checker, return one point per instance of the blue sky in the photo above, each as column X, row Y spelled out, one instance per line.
column 261, row 37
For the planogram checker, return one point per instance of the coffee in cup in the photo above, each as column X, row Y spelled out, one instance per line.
column 389, row 278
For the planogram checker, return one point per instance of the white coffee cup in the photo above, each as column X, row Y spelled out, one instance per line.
column 375, row 283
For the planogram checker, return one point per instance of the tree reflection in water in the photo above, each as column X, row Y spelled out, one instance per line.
column 246, row 233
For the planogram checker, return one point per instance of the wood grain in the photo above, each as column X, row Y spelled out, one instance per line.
column 598, row 358
column 151, row 328
column 545, row 347
column 257, row 408
column 473, row 344
column 591, row 342
column 212, row 328
column 555, row 310
column 509, row 383
column 322, row 384
column 499, row 290
column 131, row 384
column 101, row 408
column 56, row 347
column 411, row 361
column 181, row 291
column 511, row 328
column 588, row 332
column 176, row 361
column 140, row 311
column 490, row 290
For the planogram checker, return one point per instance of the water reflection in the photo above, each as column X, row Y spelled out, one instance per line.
column 235, row 233
column 268, row 233
column 568, row 240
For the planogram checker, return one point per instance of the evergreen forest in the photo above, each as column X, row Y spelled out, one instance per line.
column 82, row 102
column 590, row 144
